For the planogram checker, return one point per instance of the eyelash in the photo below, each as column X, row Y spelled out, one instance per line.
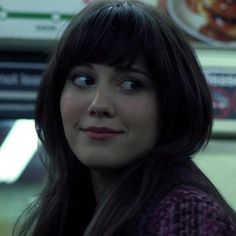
column 86, row 77
column 140, row 85
column 135, row 81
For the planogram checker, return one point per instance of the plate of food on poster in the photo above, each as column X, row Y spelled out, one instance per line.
column 210, row 21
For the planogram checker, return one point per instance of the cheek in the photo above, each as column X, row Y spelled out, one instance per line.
column 71, row 111
column 141, row 119
column 71, row 107
column 67, row 110
column 67, row 106
column 142, row 112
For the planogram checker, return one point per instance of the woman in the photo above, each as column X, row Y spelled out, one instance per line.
column 122, row 109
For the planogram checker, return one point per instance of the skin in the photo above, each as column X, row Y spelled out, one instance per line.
column 125, row 100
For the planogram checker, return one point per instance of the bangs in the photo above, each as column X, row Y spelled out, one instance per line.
column 114, row 35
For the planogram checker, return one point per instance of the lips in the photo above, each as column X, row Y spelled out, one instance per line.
column 101, row 133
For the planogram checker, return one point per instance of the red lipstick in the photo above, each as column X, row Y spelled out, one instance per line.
column 101, row 133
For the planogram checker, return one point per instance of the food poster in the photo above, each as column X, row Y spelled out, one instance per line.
column 209, row 22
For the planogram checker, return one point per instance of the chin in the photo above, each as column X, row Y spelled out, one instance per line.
column 101, row 163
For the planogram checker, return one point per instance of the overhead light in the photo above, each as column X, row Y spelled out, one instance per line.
column 17, row 150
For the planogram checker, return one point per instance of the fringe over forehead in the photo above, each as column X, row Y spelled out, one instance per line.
column 110, row 32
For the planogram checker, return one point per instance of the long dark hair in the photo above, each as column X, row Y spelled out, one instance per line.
column 116, row 33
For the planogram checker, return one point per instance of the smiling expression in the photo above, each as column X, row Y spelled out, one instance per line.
column 109, row 115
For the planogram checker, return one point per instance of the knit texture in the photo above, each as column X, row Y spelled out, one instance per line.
column 185, row 211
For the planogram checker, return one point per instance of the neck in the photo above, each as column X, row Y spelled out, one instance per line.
column 102, row 182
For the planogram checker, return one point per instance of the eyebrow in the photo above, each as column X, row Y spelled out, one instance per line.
column 89, row 65
column 133, row 69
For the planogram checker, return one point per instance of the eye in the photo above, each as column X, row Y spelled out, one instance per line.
column 82, row 81
column 131, row 85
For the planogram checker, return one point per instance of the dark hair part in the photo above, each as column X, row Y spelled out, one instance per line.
column 116, row 33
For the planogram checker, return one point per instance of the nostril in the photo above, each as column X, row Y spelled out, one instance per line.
column 106, row 114
column 99, row 113
column 92, row 113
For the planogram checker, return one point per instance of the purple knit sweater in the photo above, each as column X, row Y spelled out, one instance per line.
column 185, row 211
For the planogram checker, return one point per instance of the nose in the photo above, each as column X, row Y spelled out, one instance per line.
column 101, row 106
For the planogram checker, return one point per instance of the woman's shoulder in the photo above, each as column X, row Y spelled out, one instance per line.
column 185, row 210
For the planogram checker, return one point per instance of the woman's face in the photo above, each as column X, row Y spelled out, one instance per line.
column 109, row 115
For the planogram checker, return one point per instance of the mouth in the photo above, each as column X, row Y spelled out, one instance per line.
column 101, row 133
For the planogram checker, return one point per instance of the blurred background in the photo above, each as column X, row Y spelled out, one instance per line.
column 28, row 35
